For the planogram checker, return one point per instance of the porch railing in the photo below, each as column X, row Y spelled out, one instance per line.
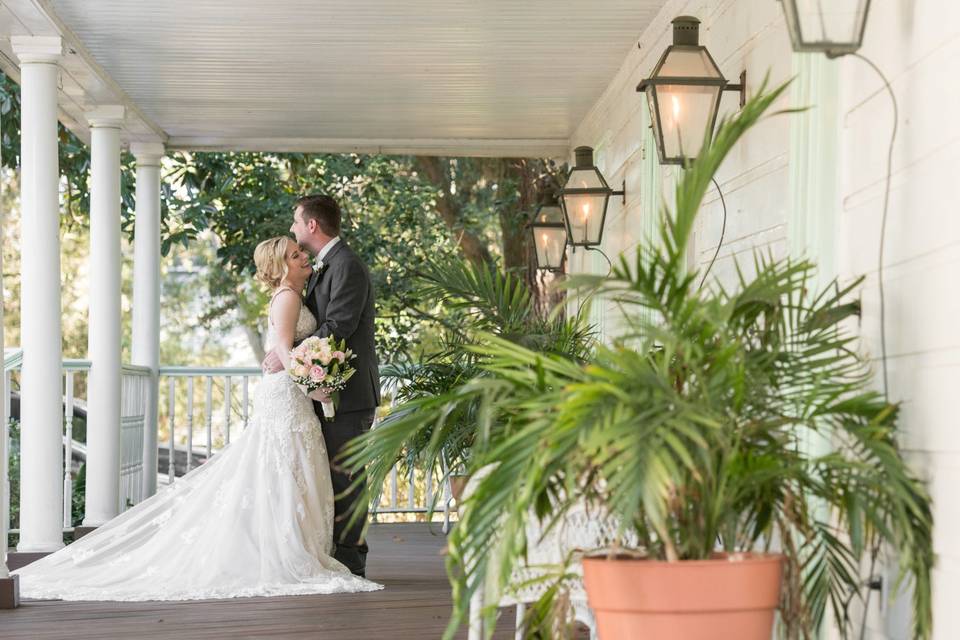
column 222, row 395
column 208, row 405
column 135, row 385
column 201, row 409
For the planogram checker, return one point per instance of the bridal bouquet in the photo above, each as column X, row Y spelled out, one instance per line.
column 322, row 362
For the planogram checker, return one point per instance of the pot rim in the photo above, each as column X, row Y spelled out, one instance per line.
column 720, row 559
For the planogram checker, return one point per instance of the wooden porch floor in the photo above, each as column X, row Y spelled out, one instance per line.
column 406, row 558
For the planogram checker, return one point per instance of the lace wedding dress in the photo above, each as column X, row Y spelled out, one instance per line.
column 255, row 520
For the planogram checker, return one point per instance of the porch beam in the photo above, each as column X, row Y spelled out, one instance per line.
column 105, row 332
column 556, row 148
column 41, row 490
column 146, row 295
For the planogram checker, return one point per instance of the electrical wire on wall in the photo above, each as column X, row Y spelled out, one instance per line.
column 723, row 231
column 874, row 583
column 883, row 220
column 605, row 257
column 587, row 298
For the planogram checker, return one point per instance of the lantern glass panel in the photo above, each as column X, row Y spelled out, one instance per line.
column 587, row 178
column 688, row 63
column 816, row 25
column 549, row 237
column 551, row 243
column 687, row 114
column 585, row 217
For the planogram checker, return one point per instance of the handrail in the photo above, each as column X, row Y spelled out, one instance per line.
column 179, row 371
column 12, row 359
column 135, row 370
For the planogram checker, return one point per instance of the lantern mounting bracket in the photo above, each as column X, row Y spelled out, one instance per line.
column 741, row 88
column 622, row 193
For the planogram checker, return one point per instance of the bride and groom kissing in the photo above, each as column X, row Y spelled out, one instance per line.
column 268, row 514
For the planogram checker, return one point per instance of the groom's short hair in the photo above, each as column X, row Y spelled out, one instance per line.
column 322, row 209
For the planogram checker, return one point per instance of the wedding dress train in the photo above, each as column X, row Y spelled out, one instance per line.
column 255, row 520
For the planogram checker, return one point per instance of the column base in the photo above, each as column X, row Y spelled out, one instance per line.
column 43, row 549
column 10, row 592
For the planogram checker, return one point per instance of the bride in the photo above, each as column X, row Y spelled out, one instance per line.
column 254, row 520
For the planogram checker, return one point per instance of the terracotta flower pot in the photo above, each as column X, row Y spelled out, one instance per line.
column 731, row 597
column 457, row 484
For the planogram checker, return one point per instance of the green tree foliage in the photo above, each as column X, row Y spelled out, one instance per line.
column 399, row 212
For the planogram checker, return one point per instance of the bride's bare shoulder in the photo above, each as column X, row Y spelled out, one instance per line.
column 284, row 306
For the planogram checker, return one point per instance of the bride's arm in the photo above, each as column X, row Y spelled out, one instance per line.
column 283, row 314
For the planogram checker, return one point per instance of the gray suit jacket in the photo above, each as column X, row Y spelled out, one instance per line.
column 342, row 299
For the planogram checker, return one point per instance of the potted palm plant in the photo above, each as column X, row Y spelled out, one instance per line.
column 477, row 299
column 730, row 433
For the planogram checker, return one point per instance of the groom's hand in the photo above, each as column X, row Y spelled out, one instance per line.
column 272, row 363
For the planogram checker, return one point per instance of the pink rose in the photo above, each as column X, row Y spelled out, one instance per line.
column 340, row 355
column 317, row 374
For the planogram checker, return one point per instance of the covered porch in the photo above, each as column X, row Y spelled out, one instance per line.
column 438, row 78
column 532, row 79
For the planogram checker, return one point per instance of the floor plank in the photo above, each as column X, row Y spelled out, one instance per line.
column 406, row 558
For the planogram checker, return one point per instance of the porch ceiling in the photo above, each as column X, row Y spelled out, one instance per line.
column 467, row 77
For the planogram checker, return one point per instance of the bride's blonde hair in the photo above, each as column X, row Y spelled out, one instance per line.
column 270, row 256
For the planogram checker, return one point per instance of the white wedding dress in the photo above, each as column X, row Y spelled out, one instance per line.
column 254, row 520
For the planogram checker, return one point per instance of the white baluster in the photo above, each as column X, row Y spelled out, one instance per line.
column 226, row 407
column 142, row 391
column 394, row 489
column 246, row 402
column 475, row 626
column 411, row 489
column 209, row 417
column 7, row 377
column 189, row 424
column 447, row 495
column 5, row 434
column 68, row 454
column 521, row 610
column 428, row 480
column 172, row 399
column 4, row 473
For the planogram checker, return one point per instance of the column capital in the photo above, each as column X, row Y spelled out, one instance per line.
column 37, row 49
column 147, row 153
column 106, row 116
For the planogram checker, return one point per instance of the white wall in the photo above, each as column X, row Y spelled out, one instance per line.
column 813, row 184
column 917, row 45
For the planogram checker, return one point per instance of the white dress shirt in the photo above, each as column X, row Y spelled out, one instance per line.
column 318, row 262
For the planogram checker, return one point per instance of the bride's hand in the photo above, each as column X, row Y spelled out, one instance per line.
column 320, row 395
column 272, row 363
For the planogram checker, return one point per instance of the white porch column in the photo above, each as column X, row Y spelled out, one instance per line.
column 4, row 455
column 41, row 491
column 103, row 395
column 146, row 294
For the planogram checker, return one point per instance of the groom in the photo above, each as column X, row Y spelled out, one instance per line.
column 340, row 295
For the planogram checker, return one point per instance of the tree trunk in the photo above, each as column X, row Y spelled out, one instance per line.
column 436, row 170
